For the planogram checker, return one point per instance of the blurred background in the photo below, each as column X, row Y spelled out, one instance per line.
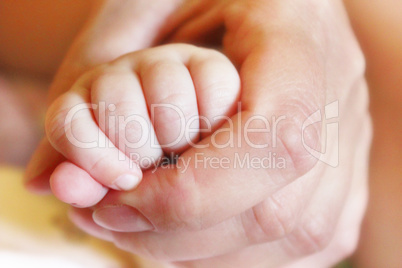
column 34, row 37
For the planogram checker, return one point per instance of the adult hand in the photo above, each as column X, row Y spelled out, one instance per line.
column 114, row 28
column 297, row 60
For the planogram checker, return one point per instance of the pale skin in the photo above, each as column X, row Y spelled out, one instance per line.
column 349, row 220
column 291, row 213
column 198, row 85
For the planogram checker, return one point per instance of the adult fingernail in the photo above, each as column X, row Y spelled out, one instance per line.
column 121, row 219
column 126, row 182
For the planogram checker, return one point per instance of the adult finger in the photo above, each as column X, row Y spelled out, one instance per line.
column 317, row 243
column 237, row 232
column 305, row 222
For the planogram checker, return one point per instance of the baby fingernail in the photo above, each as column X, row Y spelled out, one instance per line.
column 127, row 182
column 121, row 219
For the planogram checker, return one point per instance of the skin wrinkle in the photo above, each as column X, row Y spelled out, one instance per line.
column 317, row 240
column 187, row 65
column 175, row 206
column 196, row 201
column 287, row 41
column 288, row 224
column 262, row 223
column 295, row 218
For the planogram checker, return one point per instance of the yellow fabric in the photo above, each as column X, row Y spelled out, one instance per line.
column 38, row 226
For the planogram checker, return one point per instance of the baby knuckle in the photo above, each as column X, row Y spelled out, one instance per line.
column 105, row 79
column 160, row 67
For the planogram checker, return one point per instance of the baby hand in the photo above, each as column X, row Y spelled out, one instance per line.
column 123, row 116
